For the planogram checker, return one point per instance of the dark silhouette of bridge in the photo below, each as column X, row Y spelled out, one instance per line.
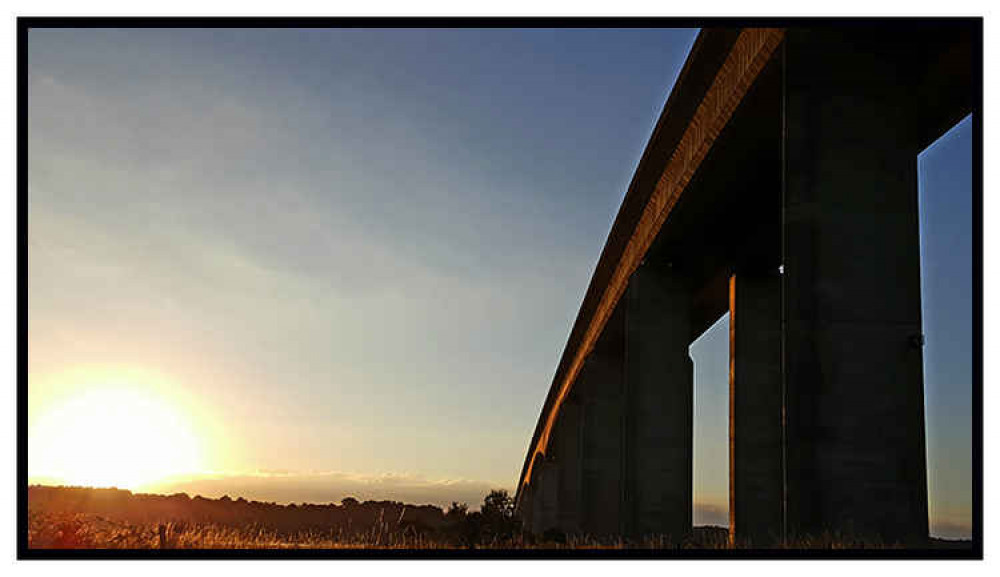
column 779, row 185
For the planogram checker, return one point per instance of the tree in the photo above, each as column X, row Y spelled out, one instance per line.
column 499, row 516
column 498, row 504
column 457, row 511
column 458, row 525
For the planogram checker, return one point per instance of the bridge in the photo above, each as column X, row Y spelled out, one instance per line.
column 780, row 186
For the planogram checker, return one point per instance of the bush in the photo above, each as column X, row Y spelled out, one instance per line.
column 499, row 517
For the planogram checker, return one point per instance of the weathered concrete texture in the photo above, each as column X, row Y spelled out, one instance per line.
column 755, row 408
column 545, row 493
column 526, row 506
column 601, row 392
column 659, row 392
column 569, row 459
column 855, row 420
column 532, row 496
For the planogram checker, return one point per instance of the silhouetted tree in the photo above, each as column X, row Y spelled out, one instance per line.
column 498, row 504
column 455, row 522
column 499, row 520
column 472, row 529
column 457, row 511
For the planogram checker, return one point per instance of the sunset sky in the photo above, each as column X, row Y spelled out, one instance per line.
column 297, row 265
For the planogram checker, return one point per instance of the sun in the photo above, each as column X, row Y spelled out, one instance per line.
column 114, row 435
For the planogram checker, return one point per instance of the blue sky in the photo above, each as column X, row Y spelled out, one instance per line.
column 945, row 173
column 361, row 251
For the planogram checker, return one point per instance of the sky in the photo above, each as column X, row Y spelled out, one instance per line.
column 332, row 262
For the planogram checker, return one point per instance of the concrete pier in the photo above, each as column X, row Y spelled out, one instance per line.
column 545, row 505
column 855, row 414
column 756, row 479
column 659, row 391
column 602, row 395
column 569, row 459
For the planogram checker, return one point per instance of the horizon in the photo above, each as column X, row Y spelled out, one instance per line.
column 300, row 262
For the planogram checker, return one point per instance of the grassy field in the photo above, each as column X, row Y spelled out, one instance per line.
column 79, row 531
column 64, row 531
column 52, row 531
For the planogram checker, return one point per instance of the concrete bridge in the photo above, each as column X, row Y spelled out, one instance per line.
column 780, row 185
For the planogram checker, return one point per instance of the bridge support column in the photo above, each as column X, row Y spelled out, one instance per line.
column 525, row 506
column 659, row 383
column 600, row 384
column 855, row 412
column 755, row 402
column 545, row 496
column 569, row 441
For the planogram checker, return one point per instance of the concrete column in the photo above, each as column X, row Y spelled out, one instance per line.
column 525, row 507
column 543, row 509
column 855, row 445
column 600, row 386
column 659, row 383
column 568, row 452
column 535, row 523
column 755, row 399
column 547, row 502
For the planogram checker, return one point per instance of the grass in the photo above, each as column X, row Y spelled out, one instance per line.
column 80, row 531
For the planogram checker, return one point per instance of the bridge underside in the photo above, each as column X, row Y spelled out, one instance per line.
column 801, row 221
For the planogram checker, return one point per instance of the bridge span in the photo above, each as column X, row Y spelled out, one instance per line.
column 779, row 185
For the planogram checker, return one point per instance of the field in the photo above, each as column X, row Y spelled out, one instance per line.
column 87, row 518
column 65, row 531
column 80, row 531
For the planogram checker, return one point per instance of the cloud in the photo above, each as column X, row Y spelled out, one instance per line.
column 284, row 486
column 332, row 486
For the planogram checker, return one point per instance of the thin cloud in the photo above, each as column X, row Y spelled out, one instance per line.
column 283, row 486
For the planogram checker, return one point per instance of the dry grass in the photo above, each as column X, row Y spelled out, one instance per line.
column 54, row 531
column 51, row 531
column 66, row 531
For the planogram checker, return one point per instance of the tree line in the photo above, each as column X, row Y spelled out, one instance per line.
column 496, row 519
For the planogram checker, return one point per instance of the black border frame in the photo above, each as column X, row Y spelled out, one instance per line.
column 24, row 24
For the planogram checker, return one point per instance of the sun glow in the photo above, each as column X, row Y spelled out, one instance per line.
column 114, row 434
